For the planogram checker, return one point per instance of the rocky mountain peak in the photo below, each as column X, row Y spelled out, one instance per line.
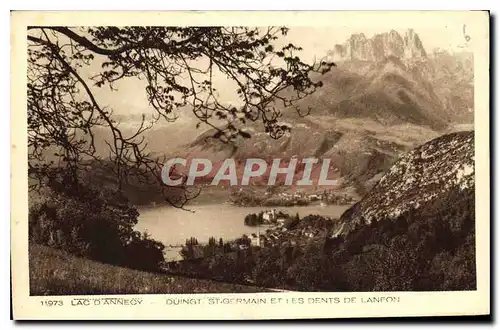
column 419, row 177
column 358, row 37
column 414, row 48
column 379, row 47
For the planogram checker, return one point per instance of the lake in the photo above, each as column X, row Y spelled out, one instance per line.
column 173, row 226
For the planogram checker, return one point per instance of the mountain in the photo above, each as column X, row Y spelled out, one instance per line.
column 386, row 95
column 359, row 47
column 360, row 148
column 387, row 91
column 419, row 178
column 443, row 80
column 453, row 82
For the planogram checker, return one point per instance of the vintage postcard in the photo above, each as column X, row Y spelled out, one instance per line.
column 250, row 165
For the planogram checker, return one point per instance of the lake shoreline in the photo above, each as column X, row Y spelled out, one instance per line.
column 172, row 226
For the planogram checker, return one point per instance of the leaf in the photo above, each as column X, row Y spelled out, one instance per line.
column 245, row 135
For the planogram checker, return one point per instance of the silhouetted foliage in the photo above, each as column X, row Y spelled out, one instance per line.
column 243, row 240
column 177, row 66
column 254, row 219
column 291, row 223
column 97, row 224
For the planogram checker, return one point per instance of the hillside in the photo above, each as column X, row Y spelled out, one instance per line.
column 54, row 272
column 417, row 179
column 389, row 92
column 414, row 231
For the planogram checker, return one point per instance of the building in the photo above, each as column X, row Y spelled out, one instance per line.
column 269, row 216
column 255, row 238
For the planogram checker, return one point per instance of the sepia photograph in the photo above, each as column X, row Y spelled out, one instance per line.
column 250, row 159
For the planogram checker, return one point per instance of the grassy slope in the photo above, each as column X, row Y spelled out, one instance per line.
column 54, row 272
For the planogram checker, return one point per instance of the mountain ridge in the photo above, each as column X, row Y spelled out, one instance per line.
column 380, row 46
